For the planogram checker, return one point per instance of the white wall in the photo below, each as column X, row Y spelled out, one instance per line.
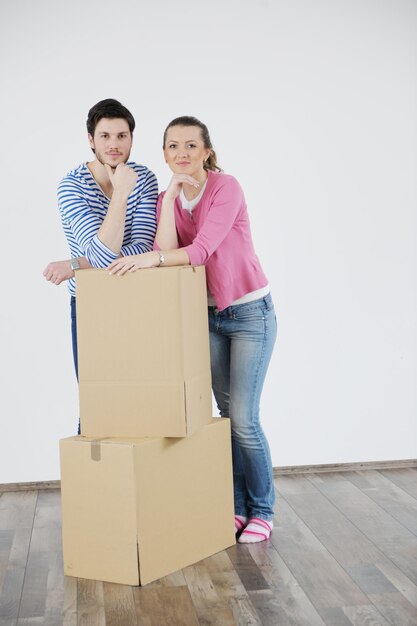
column 311, row 105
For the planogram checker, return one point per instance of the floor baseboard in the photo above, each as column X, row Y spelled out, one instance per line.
column 344, row 467
column 47, row 484
column 278, row 471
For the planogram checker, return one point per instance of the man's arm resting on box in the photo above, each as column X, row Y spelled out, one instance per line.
column 58, row 271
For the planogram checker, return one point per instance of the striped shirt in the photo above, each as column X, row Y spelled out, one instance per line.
column 83, row 207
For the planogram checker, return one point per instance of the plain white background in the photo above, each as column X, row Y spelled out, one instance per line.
column 311, row 105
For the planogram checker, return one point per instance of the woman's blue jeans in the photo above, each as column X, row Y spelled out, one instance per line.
column 242, row 338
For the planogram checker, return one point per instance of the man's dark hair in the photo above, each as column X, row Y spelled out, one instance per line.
column 110, row 109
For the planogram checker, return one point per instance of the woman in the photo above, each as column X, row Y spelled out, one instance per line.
column 202, row 219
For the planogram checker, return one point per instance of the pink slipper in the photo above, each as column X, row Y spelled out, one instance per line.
column 257, row 530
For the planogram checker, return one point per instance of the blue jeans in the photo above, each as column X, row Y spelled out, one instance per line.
column 74, row 334
column 74, row 343
column 242, row 338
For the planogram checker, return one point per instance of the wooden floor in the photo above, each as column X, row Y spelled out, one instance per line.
column 343, row 551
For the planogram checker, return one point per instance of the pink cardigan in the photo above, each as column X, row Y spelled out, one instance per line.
column 217, row 235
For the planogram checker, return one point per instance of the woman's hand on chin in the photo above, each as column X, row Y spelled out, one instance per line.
column 133, row 263
column 176, row 183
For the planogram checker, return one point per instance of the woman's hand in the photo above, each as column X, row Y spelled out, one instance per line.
column 176, row 183
column 133, row 263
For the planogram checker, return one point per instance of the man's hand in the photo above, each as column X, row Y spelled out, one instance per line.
column 58, row 271
column 123, row 178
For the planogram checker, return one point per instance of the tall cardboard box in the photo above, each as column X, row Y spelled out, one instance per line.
column 136, row 510
column 143, row 352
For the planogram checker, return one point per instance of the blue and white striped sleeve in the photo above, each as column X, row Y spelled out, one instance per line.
column 144, row 218
column 82, row 223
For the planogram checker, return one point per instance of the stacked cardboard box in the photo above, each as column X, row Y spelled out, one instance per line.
column 147, row 487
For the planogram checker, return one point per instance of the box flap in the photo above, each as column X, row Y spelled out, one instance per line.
column 191, row 494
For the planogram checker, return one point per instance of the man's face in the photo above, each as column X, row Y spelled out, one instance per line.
column 112, row 141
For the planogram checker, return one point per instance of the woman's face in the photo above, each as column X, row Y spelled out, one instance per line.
column 184, row 150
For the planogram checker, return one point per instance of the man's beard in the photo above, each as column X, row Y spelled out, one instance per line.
column 100, row 158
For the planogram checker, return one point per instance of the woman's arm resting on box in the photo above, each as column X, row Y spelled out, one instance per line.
column 148, row 259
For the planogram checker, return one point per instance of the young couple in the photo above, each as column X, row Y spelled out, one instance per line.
column 113, row 218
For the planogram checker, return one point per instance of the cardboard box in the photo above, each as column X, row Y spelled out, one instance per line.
column 143, row 353
column 136, row 510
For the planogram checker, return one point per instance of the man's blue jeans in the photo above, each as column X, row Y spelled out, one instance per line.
column 74, row 342
column 74, row 334
column 242, row 338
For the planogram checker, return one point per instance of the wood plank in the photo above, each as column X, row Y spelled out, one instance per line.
column 349, row 546
column 406, row 479
column 119, row 605
column 244, row 612
column 214, row 602
column 288, row 600
column 176, row 579
column 370, row 579
column 69, row 610
column 364, row 616
column 11, row 593
column 209, row 605
column 278, row 608
column 48, row 516
column 164, row 606
column 202, row 590
column 229, row 585
column 44, row 562
column 19, row 551
column 33, row 598
column 48, row 498
column 394, row 500
column 217, row 617
column 6, row 539
column 335, row 617
column 224, row 577
column 90, row 603
column 395, row 608
column 400, row 581
column 322, row 578
column 6, row 542
column 54, row 590
column 17, row 512
column 394, row 540
column 247, row 569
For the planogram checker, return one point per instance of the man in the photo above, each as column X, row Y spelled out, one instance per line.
column 107, row 206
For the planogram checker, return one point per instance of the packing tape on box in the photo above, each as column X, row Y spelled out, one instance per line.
column 96, row 450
